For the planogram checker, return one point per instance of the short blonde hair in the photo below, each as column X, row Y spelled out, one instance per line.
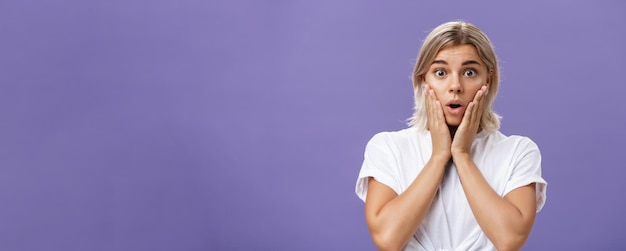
column 452, row 34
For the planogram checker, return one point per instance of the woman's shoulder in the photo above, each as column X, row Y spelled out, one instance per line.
column 512, row 140
column 399, row 137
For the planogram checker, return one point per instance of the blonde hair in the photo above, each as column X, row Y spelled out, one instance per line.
column 452, row 34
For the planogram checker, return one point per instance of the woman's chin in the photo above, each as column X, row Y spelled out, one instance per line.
column 453, row 122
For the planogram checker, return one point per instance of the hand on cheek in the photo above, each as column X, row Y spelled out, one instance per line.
column 437, row 125
column 470, row 124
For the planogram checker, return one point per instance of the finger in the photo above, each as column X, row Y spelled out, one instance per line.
column 476, row 108
column 433, row 108
column 437, row 109
column 439, row 112
column 481, row 103
column 428, row 105
column 467, row 117
column 475, row 105
column 429, row 98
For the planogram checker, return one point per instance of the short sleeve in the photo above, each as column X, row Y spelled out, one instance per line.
column 379, row 163
column 527, row 170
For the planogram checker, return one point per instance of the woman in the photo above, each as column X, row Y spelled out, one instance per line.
column 452, row 181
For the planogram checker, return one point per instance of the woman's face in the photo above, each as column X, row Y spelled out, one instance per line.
column 455, row 76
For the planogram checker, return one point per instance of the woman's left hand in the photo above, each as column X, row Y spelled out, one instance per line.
column 465, row 133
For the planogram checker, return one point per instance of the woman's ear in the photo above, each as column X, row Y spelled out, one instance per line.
column 489, row 78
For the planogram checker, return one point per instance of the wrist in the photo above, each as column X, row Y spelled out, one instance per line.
column 461, row 156
column 441, row 158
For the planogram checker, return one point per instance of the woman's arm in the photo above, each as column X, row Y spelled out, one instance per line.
column 392, row 219
column 506, row 221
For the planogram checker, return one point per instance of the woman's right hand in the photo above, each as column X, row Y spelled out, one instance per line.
column 437, row 125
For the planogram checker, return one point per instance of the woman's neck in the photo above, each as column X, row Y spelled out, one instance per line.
column 452, row 130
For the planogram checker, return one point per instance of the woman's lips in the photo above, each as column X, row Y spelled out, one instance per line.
column 454, row 109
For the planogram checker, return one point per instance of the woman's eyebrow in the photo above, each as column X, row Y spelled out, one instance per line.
column 470, row 62
column 443, row 62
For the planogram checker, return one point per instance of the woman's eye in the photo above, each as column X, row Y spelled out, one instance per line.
column 440, row 73
column 469, row 73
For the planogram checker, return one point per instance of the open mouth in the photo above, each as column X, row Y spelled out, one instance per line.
column 454, row 106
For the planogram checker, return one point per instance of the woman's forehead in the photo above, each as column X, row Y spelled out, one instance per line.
column 465, row 50
column 457, row 54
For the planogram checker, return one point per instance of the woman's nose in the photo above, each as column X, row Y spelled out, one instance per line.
column 455, row 85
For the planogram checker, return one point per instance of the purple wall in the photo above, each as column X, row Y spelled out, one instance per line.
column 232, row 125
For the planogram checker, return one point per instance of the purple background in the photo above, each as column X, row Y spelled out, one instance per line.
column 240, row 125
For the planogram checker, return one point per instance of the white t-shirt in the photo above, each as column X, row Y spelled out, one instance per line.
column 396, row 158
